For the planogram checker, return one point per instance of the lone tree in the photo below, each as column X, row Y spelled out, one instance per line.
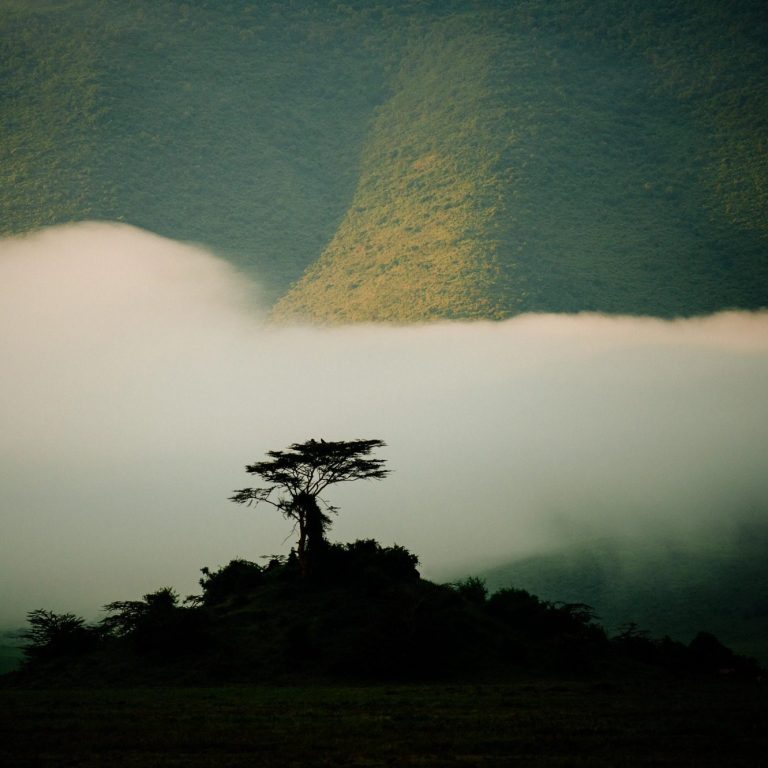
column 298, row 475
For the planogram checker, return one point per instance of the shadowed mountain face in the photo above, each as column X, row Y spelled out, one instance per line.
column 402, row 161
column 663, row 587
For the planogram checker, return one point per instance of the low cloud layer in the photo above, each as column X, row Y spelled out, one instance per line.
column 139, row 376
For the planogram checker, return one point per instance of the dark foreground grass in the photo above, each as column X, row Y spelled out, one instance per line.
column 530, row 723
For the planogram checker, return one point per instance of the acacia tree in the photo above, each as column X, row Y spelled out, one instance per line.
column 298, row 475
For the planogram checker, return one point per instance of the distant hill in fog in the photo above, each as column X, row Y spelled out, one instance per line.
column 400, row 160
column 665, row 588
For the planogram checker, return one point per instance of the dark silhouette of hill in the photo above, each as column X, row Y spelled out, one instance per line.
column 398, row 160
column 363, row 615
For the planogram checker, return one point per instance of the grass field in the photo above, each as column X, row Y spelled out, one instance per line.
column 531, row 723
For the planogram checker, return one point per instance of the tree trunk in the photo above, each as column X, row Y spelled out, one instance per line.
column 312, row 524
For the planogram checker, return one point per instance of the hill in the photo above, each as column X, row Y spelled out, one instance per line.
column 405, row 160
column 358, row 661
column 362, row 614
column 676, row 589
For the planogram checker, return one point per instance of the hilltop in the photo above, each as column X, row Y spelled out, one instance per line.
column 365, row 663
column 364, row 614
column 407, row 160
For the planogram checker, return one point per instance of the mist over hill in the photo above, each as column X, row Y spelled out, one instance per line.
column 665, row 587
column 407, row 160
column 402, row 161
column 140, row 377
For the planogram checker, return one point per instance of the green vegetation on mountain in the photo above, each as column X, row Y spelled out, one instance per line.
column 420, row 237
column 405, row 159
column 234, row 125
column 551, row 160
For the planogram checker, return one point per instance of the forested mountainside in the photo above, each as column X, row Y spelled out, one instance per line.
column 405, row 160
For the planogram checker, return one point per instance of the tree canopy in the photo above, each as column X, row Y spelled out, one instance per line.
column 298, row 475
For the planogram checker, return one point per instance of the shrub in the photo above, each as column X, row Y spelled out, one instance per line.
column 53, row 635
column 708, row 654
column 366, row 563
column 157, row 624
column 472, row 588
column 517, row 607
column 232, row 580
column 637, row 644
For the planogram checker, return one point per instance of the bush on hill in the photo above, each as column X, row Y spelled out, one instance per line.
column 365, row 613
column 56, row 635
column 157, row 625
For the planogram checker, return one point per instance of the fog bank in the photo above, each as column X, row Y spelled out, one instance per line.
column 139, row 377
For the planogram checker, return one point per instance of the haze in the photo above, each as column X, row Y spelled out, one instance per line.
column 141, row 375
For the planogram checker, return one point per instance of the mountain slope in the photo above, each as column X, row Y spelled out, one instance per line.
column 676, row 589
column 419, row 239
column 545, row 169
column 402, row 161
column 236, row 127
